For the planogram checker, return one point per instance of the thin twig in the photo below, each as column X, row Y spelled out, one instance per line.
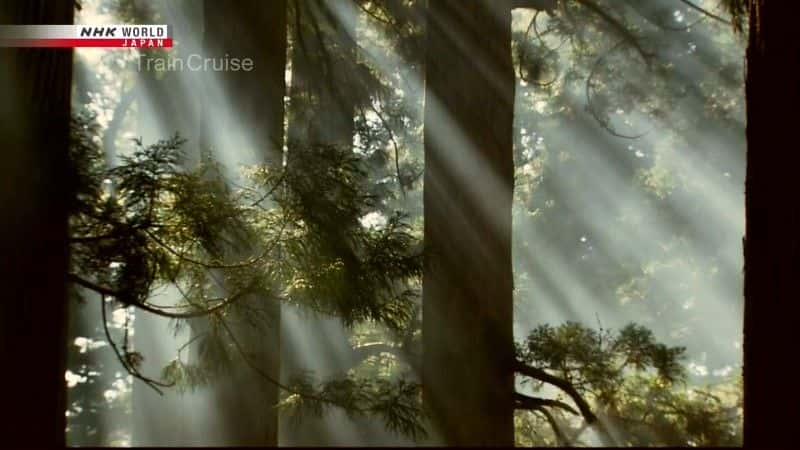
column 106, row 291
column 272, row 380
column 705, row 12
column 589, row 105
column 122, row 359
column 372, row 14
column 626, row 34
column 182, row 256
column 396, row 148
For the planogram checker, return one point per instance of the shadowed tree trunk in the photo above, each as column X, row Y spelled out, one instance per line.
column 35, row 194
column 468, row 348
column 252, row 29
column 320, row 115
column 256, row 30
column 772, row 244
column 165, row 103
column 321, row 48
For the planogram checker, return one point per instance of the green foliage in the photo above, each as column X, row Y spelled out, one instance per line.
column 651, row 412
column 333, row 262
column 397, row 402
column 600, row 358
column 297, row 234
column 288, row 236
column 149, row 222
column 184, row 376
column 636, row 385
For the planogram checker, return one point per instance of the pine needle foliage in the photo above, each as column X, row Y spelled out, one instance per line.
column 154, row 221
column 636, row 385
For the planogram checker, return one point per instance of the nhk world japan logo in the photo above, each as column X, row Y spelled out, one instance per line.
column 73, row 36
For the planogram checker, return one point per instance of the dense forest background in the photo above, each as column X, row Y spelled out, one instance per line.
column 415, row 222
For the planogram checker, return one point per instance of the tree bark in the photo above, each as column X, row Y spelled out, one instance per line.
column 166, row 103
column 323, row 115
column 772, row 244
column 468, row 354
column 320, row 115
column 257, row 30
column 35, row 191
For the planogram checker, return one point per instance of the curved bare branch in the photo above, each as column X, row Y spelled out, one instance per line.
column 705, row 12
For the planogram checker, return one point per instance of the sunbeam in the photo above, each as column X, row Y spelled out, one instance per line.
column 275, row 256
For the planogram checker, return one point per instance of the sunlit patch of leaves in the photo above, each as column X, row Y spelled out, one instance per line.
column 601, row 358
column 634, row 382
column 185, row 377
column 150, row 222
column 334, row 263
column 293, row 234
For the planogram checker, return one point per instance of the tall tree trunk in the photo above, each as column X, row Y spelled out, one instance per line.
column 320, row 115
column 252, row 29
column 257, row 30
column 35, row 194
column 324, row 112
column 468, row 349
column 165, row 103
column 772, row 244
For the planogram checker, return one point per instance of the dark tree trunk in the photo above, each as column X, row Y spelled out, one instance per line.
column 252, row 29
column 467, row 286
column 165, row 103
column 320, row 114
column 323, row 112
column 35, row 194
column 772, row 244
column 257, row 30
